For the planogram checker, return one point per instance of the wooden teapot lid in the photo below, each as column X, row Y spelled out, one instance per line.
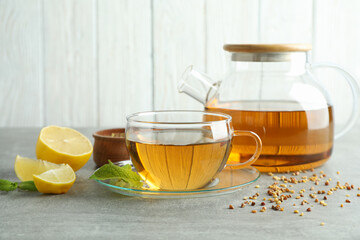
column 266, row 48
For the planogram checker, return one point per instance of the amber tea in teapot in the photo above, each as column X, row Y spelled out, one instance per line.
column 290, row 137
column 271, row 91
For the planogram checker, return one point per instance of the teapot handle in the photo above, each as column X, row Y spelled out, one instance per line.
column 351, row 80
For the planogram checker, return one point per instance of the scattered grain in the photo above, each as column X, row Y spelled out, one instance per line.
column 276, row 178
column 277, row 207
column 231, row 206
column 278, row 191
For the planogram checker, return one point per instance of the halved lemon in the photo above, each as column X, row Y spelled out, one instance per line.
column 26, row 167
column 63, row 145
column 55, row 181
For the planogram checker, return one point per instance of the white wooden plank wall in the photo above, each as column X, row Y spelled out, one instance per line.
column 90, row 63
column 69, row 62
column 124, row 60
column 284, row 21
column 228, row 21
column 336, row 39
column 178, row 40
column 21, row 57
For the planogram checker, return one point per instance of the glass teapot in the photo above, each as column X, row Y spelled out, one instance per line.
column 272, row 92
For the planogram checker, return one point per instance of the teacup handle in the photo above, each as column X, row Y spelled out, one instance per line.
column 255, row 156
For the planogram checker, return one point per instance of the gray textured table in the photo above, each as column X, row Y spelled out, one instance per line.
column 89, row 211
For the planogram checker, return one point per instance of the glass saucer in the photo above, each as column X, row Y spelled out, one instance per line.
column 228, row 181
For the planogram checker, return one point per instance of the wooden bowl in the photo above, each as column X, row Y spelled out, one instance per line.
column 110, row 145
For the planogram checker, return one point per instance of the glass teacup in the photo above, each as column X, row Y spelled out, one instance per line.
column 182, row 150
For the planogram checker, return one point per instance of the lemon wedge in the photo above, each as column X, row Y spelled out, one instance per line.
column 55, row 181
column 63, row 145
column 26, row 167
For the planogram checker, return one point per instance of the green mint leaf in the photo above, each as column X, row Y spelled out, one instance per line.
column 28, row 186
column 127, row 167
column 6, row 185
column 135, row 184
column 123, row 183
column 111, row 171
column 120, row 175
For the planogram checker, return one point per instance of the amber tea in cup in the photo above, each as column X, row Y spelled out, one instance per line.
column 178, row 150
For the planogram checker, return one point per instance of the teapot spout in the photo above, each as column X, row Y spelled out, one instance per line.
column 198, row 85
